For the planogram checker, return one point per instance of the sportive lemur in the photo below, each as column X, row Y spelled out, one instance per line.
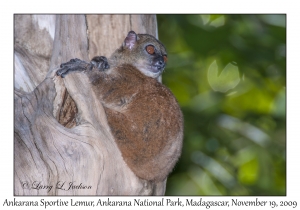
column 144, row 116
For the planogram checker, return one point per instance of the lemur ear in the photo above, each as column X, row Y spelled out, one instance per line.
column 130, row 40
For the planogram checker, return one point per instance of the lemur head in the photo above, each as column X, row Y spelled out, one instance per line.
column 144, row 52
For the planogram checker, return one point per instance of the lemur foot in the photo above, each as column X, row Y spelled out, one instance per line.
column 99, row 62
column 73, row 65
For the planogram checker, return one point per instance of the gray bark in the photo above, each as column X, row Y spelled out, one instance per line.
column 60, row 128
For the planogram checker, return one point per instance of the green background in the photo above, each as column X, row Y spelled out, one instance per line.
column 228, row 73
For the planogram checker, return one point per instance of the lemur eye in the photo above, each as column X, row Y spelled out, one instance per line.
column 165, row 58
column 150, row 49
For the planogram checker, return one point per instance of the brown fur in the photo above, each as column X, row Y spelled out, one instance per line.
column 144, row 118
column 143, row 114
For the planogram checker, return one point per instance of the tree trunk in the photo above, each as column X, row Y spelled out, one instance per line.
column 63, row 144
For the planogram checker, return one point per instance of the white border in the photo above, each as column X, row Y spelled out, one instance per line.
column 151, row 7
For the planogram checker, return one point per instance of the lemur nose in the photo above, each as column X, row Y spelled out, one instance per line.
column 160, row 61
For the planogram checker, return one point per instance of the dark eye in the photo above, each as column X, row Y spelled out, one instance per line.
column 165, row 58
column 150, row 49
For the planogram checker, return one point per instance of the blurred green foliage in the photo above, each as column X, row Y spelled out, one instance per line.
column 228, row 73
